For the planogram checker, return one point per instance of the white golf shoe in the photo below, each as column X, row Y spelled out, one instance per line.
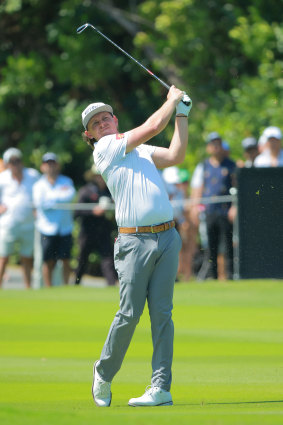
column 153, row 396
column 101, row 390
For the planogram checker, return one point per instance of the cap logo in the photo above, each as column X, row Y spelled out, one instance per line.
column 91, row 108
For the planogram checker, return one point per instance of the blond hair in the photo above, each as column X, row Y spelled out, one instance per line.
column 89, row 141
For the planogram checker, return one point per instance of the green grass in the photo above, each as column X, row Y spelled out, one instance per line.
column 228, row 360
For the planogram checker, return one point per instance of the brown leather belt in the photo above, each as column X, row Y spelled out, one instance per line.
column 148, row 229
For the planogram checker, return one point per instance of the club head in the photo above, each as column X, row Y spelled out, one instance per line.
column 82, row 28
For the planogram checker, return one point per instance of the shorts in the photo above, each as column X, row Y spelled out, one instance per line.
column 56, row 247
column 20, row 234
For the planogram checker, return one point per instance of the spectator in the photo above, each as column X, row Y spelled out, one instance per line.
column 177, row 184
column 16, row 213
column 226, row 148
column 251, row 151
column 54, row 224
column 2, row 165
column 272, row 156
column 262, row 145
column 172, row 181
column 95, row 227
column 214, row 177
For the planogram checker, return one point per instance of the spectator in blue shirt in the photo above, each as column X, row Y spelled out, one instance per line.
column 54, row 224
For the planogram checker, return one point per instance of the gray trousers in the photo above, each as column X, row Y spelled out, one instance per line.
column 146, row 264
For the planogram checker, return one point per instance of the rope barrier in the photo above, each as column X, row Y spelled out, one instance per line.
column 111, row 206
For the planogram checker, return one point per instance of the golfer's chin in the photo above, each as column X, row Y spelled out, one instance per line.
column 107, row 132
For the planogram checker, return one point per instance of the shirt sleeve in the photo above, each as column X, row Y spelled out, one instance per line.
column 109, row 150
column 148, row 148
column 37, row 193
column 198, row 177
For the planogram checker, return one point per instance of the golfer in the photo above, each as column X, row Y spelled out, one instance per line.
column 147, row 248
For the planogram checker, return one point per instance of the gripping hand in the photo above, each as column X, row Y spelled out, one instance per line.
column 184, row 106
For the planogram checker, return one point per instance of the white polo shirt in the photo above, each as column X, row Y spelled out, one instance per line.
column 264, row 159
column 46, row 196
column 17, row 197
column 134, row 182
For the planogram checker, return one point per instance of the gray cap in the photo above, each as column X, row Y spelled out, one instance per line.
column 93, row 109
column 213, row 136
column 11, row 153
column 249, row 142
column 49, row 156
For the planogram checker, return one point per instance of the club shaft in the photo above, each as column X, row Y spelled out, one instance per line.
column 83, row 27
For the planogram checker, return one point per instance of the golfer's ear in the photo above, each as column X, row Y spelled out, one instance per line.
column 87, row 133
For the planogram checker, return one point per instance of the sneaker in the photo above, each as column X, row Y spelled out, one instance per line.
column 153, row 396
column 101, row 390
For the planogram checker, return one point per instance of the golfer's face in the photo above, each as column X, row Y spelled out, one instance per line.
column 101, row 125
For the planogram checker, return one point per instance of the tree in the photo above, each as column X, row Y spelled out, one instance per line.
column 226, row 54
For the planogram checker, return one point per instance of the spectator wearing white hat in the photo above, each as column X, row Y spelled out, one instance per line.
column 16, row 212
column 262, row 145
column 272, row 156
column 54, row 224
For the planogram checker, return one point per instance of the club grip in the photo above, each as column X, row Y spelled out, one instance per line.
column 186, row 100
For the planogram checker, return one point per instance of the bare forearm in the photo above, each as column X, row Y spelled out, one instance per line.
column 156, row 122
column 159, row 120
column 175, row 154
column 179, row 142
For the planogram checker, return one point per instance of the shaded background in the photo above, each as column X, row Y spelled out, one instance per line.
column 227, row 55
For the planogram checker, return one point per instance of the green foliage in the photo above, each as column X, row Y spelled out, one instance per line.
column 227, row 55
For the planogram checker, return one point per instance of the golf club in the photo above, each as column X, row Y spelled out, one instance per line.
column 186, row 100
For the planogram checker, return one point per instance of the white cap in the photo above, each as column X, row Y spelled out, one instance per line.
column 171, row 175
column 10, row 153
column 272, row 132
column 93, row 109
